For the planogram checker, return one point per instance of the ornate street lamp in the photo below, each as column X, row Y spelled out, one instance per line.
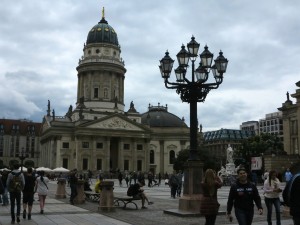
column 22, row 157
column 193, row 90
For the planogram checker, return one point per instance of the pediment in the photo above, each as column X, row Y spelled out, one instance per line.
column 115, row 123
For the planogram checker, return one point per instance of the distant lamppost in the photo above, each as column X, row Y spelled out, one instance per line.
column 22, row 157
column 193, row 90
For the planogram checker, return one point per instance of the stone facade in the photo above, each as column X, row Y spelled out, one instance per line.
column 291, row 122
column 98, row 134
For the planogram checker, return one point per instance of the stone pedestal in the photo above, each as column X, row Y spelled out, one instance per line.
column 80, row 198
column 230, row 169
column 107, row 196
column 61, row 188
column 190, row 201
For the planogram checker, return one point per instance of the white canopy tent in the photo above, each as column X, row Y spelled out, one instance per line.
column 60, row 170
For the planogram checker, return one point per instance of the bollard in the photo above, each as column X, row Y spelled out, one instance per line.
column 61, row 188
column 107, row 196
column 80, row 198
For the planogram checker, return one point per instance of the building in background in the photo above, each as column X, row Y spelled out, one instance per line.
column 98, row 134
column 216, row 142
column 291, row 122
column 17, row 136
column 272, row 124
column 250, row 126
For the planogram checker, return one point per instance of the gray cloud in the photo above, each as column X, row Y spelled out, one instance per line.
column 41, row 42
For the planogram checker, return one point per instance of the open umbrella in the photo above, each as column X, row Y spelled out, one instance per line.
column 61, row 170
column 23, row 168
column 45, row 169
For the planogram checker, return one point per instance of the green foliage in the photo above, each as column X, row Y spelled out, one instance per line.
column 261, row 144
column 203, row 154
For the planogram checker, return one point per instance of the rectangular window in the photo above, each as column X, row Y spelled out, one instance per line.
column 99, row 164
column 126, row 164
column 65, row 144
column 96, row 93
column 85, row 163
column 85, row 144
column 139, row 165
column 139, row 147
column 126, row 146
column 99, row 145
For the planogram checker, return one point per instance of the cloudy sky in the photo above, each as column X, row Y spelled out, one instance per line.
column 42, row 40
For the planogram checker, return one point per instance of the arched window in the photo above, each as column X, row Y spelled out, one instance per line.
column 171, row 157
column 152, row 157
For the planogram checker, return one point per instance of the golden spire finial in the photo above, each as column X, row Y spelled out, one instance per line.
column 103, row 14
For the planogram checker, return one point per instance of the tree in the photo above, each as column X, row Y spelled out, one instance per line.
column 204, row 155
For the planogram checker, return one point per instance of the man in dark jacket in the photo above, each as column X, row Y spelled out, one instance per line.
column 291, row 197
column 73, row 185
column 28, row 193
column 242, row 194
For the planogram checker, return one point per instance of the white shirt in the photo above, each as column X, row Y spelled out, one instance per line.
column 41, row 186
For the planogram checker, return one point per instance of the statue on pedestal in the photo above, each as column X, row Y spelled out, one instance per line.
column 229, row 154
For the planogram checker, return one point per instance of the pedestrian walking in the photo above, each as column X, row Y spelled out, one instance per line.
column 120, row 178
column 15, row 184
column 179, row 177
column 42, row 189
column 242, row 194
column 173, row 184
column 28, row 193
column 5, row 191
column 73, row 185
column 291, row 196
column 271, row 193
column 209, row 202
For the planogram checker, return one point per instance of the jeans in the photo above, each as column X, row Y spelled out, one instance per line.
column 73, row 192
column 5, row 197
column 269, row 203
column 244, row 217
column 15, row 197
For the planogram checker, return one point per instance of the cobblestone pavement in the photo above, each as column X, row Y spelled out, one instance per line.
column 59, row 211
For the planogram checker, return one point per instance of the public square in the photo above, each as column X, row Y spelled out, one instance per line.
column 59, row 211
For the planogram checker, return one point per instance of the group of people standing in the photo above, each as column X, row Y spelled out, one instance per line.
column 243, row 195
column 19, row 184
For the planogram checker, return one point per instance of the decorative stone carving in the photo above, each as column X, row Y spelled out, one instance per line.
column 115, row 123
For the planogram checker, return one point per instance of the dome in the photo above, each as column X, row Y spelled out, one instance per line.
column 102, row 33
column 158, row 116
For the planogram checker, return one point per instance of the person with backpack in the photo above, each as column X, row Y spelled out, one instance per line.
column 42, row 189
column 15, row 184
column 28, row 193
column 173, row 183
column 137, row 191
column 291, row 197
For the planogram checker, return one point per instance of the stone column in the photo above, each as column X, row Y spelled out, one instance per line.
column 80, row 198
column 61, row 188
column 190, row 201
column 107, row 196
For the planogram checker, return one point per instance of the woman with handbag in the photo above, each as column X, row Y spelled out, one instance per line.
column 42, row 189
column 209, row 203
column 272, row 191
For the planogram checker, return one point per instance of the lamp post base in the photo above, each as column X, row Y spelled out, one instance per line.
column 191, row 199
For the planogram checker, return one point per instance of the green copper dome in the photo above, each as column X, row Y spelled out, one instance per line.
column 102, row 33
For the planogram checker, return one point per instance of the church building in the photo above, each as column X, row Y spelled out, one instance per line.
column 98, row 134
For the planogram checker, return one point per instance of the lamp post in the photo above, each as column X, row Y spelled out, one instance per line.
column 193, row 90
column 22, row 157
